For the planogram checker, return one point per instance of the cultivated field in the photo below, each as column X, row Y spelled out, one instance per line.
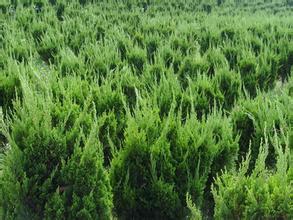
column 146, row 109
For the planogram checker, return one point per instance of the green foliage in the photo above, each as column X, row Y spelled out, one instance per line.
column 165, row 160
column 152, row 47
column 252, row 117
column 247, row 68
column 164, row 95
column 286, row 62
column 215, row 59
column 229, row 85
column 137, row 60
column 195, row 214
column 48, row 48
column 69, row 63
column 53, row 170
column 262, row 194
column 207, row 96
column 191, row 68
column 9, row 86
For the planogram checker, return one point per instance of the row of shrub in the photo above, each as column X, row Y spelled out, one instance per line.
column 66, row 158
column 114, row 112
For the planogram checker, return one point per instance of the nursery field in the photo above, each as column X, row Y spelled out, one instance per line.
column 146, row 109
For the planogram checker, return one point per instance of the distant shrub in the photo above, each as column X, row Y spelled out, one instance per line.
column 207, row 8
column 53, row 2
column 247, row 67
column 122, row 46
column 207, row 96
column 180, row 44
column 20, row 52
column 289, row 2
column 83, row 2
column 137, row 60
column 100, row 33
column 48, row 49
column 38, row 31
column 256, row 45
column 228, row 33
column 4, row 7
column 191, row 68
column 168, row 56
column 220, row 2
column 60, row 9
column 216, row 60
column 9, row 87
column 138, row 39
column 229, row 83
column 285, row 63
column 231, row 54
column 152, row 47
column 69, row 63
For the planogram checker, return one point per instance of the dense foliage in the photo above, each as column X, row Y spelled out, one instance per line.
column 156, row 109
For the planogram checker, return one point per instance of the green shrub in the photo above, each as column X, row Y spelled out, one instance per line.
column 137, row 60
column 263, row 194
column 252, row 117
column 215, row 59
column 38, row 31
column 138, row 39
column 195, row 214
column 191, row 68
column 101, row 33
column 207, row 8
column 229, row 84
column 110, row 106
column 208, row 38
column 285, row 63
column 69, row 62
column 152, row 91
column 167, row 93
column 168, row 56
column 49, row 48
column 289, row 2
column 156, row 72
column 9, row 86
column 60, row 11
column 152, row 47
column 20, row 53
column 248, row 71
column 180, row 44
column 166, row 159
column 122, row 46
column 256, row 45
column 266, row 77
column 231, row 54
column 207, row 96
column 53, row 169
column 141, row 173
column 228, row 33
